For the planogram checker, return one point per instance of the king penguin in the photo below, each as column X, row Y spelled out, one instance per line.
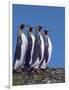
column 47, row 50
column 21, row 47
column 38, row 48
column 30, row 49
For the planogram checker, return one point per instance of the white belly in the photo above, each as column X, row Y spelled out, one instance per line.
column 42, row 47
column 33, row 42
column 20, row 63
column 49, row 49
column 50, row 52
column 36, row 64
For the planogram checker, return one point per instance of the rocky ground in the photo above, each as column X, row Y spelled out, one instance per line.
column 50, row 75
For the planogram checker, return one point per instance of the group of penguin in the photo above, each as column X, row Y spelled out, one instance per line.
column 33, row 52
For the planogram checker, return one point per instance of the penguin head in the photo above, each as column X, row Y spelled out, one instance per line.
column 45, row 32
column 38, row 28
column 30, row 29
column 21, row 27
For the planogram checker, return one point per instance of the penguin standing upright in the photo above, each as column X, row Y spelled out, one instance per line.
column 38, row 48
column 31, row 41
column 47, row 50
column 21, row 48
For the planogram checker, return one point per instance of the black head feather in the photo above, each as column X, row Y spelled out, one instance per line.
column 30, row 29
column 21, row 26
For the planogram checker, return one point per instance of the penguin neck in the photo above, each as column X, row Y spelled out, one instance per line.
column 21, row 32
column 39, row 32
column 23, row 36
column 30, row 32
column 46, row 36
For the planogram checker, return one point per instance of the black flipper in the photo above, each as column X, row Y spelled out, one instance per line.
column 37, row 49
column 18, row 49
column 28, row 53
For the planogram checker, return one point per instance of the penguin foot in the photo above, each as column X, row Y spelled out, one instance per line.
column 43, row 70
column 33, row 70
column 23, row 69
column 14, row 71
column 17, row 71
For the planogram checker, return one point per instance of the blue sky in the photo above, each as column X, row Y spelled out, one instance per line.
column 53, row 18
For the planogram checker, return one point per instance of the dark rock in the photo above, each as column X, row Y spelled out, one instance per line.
column 50, row 75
